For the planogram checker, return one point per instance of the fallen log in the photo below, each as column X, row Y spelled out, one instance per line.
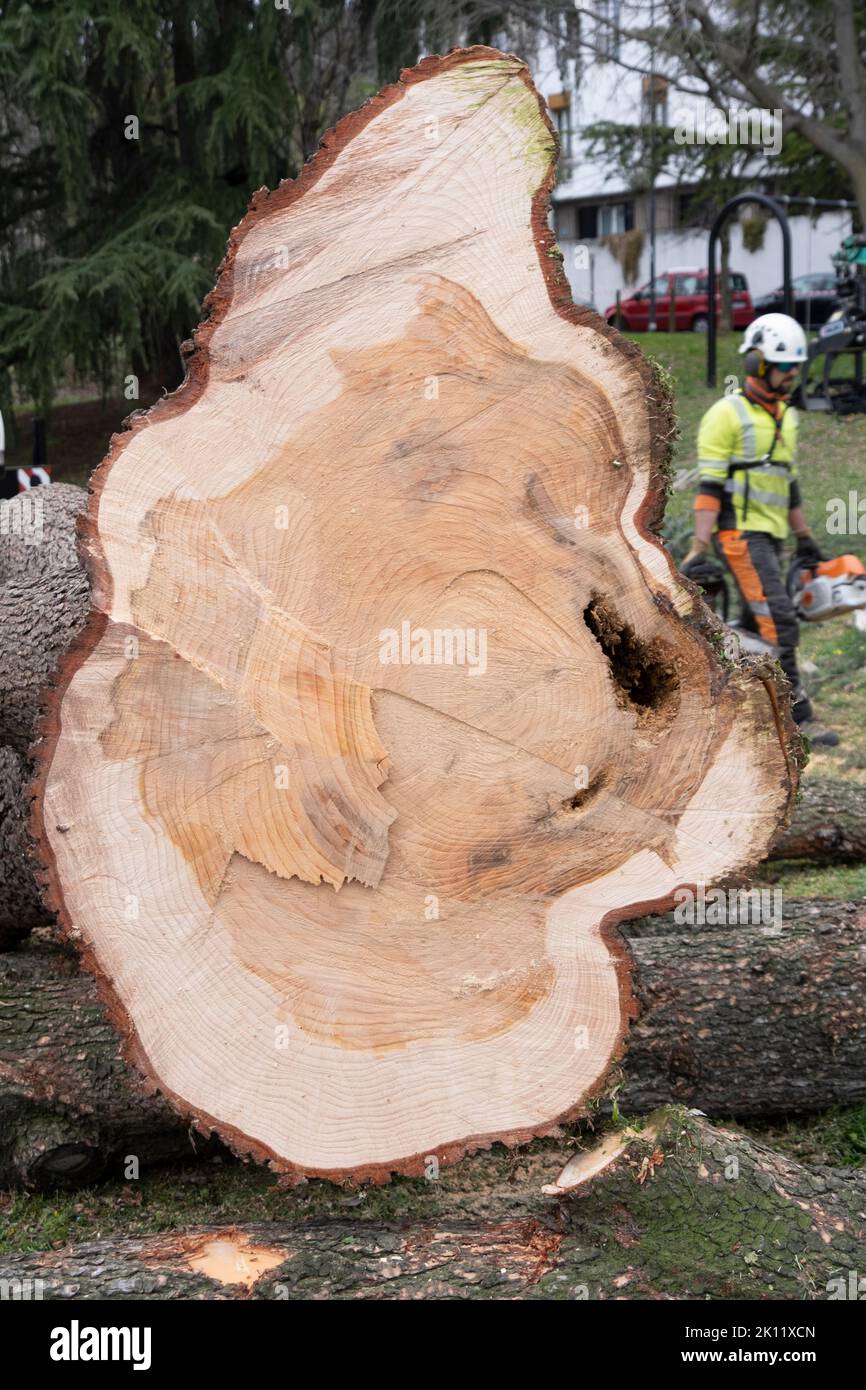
column 44, row 602
column 733, row 1022
column 21, row 907
column 781, row 907
column 71, row 1110
column 391, row 703
column 828, row 825
column 751, row 1020
column 676, row 1210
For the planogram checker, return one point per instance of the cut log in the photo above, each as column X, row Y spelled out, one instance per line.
column 71, row 1109
column 815, row 912
column 43, row 606
column 44, row 601
column 748, row 1024
column 21, row 907
column 828, row 825
column 392, row 703
column 755, row 1020
column 680, row 1210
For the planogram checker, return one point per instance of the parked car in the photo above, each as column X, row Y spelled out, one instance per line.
column 814, row 298
column 691, row 302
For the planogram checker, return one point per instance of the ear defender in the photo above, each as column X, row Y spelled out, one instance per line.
column 754, row 363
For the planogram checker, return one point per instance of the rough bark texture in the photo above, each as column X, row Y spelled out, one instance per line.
column 685, row 1211
column 828, row 825
column 740, row 1021
column 816, row 912
column 70, row 1108
column 21, row 907
column 733, row 1022
column 44, row 602
column 381, row 327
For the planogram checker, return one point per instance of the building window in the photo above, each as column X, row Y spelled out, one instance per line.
column 654, row 100
column 685, row 209
column 615, row 217
column 587, row 222
column 601, row 219
column 607, row 30
column 560, row 106
column 564, row 221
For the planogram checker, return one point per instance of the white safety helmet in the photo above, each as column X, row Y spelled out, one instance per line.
column 777, row 337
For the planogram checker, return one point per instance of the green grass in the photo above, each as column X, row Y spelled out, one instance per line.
column 799, row 880
column 836, row 1138
column 161, row 1200
column 832, row 461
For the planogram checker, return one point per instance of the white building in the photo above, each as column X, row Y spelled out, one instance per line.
column 590, row 202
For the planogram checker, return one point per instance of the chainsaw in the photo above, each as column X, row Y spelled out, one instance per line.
column 827, row 590
column 819, row 592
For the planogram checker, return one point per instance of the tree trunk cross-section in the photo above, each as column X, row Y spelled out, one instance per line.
column 391, row 704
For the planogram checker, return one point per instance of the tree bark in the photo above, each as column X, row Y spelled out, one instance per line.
column 828, row 824
column 71, row 1109
column 739, row 1021
column 379, row 725
column 44, row 601
column 733, row 1022
column 21, row 907
column 679, row 1209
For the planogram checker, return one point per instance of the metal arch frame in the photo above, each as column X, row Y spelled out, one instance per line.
column 782, row 218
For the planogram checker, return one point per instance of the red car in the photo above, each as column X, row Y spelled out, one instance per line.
column 691, row 304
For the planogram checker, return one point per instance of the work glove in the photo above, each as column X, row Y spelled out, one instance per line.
column 808, row 552
column 700, row 569
column 697, row 550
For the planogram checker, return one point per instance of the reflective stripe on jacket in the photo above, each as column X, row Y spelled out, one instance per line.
column 735, row 430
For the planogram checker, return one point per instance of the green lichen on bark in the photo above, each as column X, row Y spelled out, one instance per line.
column 683, row 1211
column 664, row 421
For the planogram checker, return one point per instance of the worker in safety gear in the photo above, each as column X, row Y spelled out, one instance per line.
column 748, row 497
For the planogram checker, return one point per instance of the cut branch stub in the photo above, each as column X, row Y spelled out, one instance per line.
column 391, row 705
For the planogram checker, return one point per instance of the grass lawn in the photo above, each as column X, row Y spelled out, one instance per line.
column 832, row 462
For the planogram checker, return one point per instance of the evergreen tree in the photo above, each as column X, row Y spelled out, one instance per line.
column 131, row 139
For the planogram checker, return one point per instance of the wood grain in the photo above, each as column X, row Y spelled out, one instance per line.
column 352, row 906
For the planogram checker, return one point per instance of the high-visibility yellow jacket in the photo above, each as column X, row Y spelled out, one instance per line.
column 735, row 431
